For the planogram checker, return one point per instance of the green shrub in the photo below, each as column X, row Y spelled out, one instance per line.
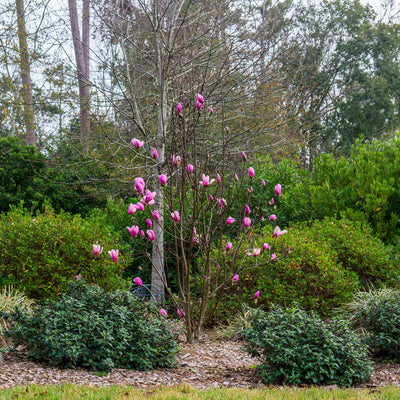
column 298, row 347
column 40, row 253
column 98, row 330
column 377, row 314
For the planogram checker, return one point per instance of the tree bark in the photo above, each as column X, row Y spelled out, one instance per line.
column 81, row 50
column 30, row 137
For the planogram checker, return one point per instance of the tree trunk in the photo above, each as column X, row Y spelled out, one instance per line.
column 30, row 138
column 81, row 49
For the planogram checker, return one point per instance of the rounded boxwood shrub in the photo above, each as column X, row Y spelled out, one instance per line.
column 41, row 252
column 97, row 330
column 298, row 347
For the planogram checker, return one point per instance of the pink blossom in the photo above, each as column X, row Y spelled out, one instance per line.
column 272, row 201
column 190, row 168
column 196, row 238
column 142, row 233
column 149, row 197
column 200, row 98
column 175, row 216
column 205, row 276
column 113, row 254
column 139, row 185
column 78, row 277
column 163, row 179
column 176, row 160
column 247, row 222
column 266, row 246
column 235, row 278
column 137, row 143
column 251, row 189
column 156, row 215
column 221, row 202
column 218, row 266
column 244, row 156
column 256, row 252
column 211, row 198
column 247, row 209
column 180, row 312
column 205, row 181
column 256, row 295
column 133, row 230
column 163, row 312
column 251, row 172
column 230, row 220
column 278, row 189
column 228, row 246
column 236, row 177
column 211, row 110
column 155, row 103
column 227, row 129
column 149, row 223
column 179, row 107
column 139, row 206
column 272, row 217
column 138, row 281
column 97, row 249
column 150, row 234
column 273, row 256
column 155, row 153
column 218, row 178
column 263, row 182
column 278, row 232
column 198, row 105
column 131, row 209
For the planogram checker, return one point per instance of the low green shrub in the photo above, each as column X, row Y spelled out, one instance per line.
column 298, row 347
column 40, row 253
column 97, row 330
column 377, row 314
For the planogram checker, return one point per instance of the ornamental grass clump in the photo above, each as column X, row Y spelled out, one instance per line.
column 297, row 347
column 97, row 330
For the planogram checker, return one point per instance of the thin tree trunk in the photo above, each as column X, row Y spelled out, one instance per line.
column 81, row 49
column 30, row 138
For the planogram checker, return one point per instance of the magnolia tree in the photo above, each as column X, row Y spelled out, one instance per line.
column 211, row 239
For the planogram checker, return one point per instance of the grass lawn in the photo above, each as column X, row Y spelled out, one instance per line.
column 72, row 392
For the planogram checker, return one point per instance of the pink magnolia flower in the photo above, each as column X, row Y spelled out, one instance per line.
column 163, row 312
column 235, row 278
column 278, row 232
column 139, row 206
column 256, row 294
column 97, row 249
column 156, row 215
column 176, row 160
column 138, row 281
column 133, row 230
column 139, row 185
column 205, row 276
column 221, row 202
column 175, row 216
column 163, row 179
column 278, row 189
column 247, row 209
column 205, row 180
column 131, row 209
column 196, row 238
column 236, row 177
column 251, row 189
column 199, row 105
column 272, row 217
column 244, row 156
column 149, row 197
column 211, row 110
column 247, row 222
column 256, row 252
column 266, row 246
column 229, row 246
column 155, row 153
column 218, row 178
column 272, row 201
column 78, row 277
column 137, row 143
column 113, row 254
column 141, row 233
column 273, row 256
column 218, row 266
column 180, row 312
column 230, row 220
column 155, row 103
column 190, row 168
column 179, row 107
column 149, row 223
column 251, row 172
column 263, row 182
column 200, row 98
column 211, row 198
column 150, row 234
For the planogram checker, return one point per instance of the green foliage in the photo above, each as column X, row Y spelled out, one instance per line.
column 377, row 314
column 298, row 347
column 40, row 253
column 98, row 330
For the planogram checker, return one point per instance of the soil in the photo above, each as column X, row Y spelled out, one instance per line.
column 211, row 363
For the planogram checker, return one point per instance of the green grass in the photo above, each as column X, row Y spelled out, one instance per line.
column 72, row 392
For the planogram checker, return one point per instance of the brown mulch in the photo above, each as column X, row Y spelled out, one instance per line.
column 210, row 363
